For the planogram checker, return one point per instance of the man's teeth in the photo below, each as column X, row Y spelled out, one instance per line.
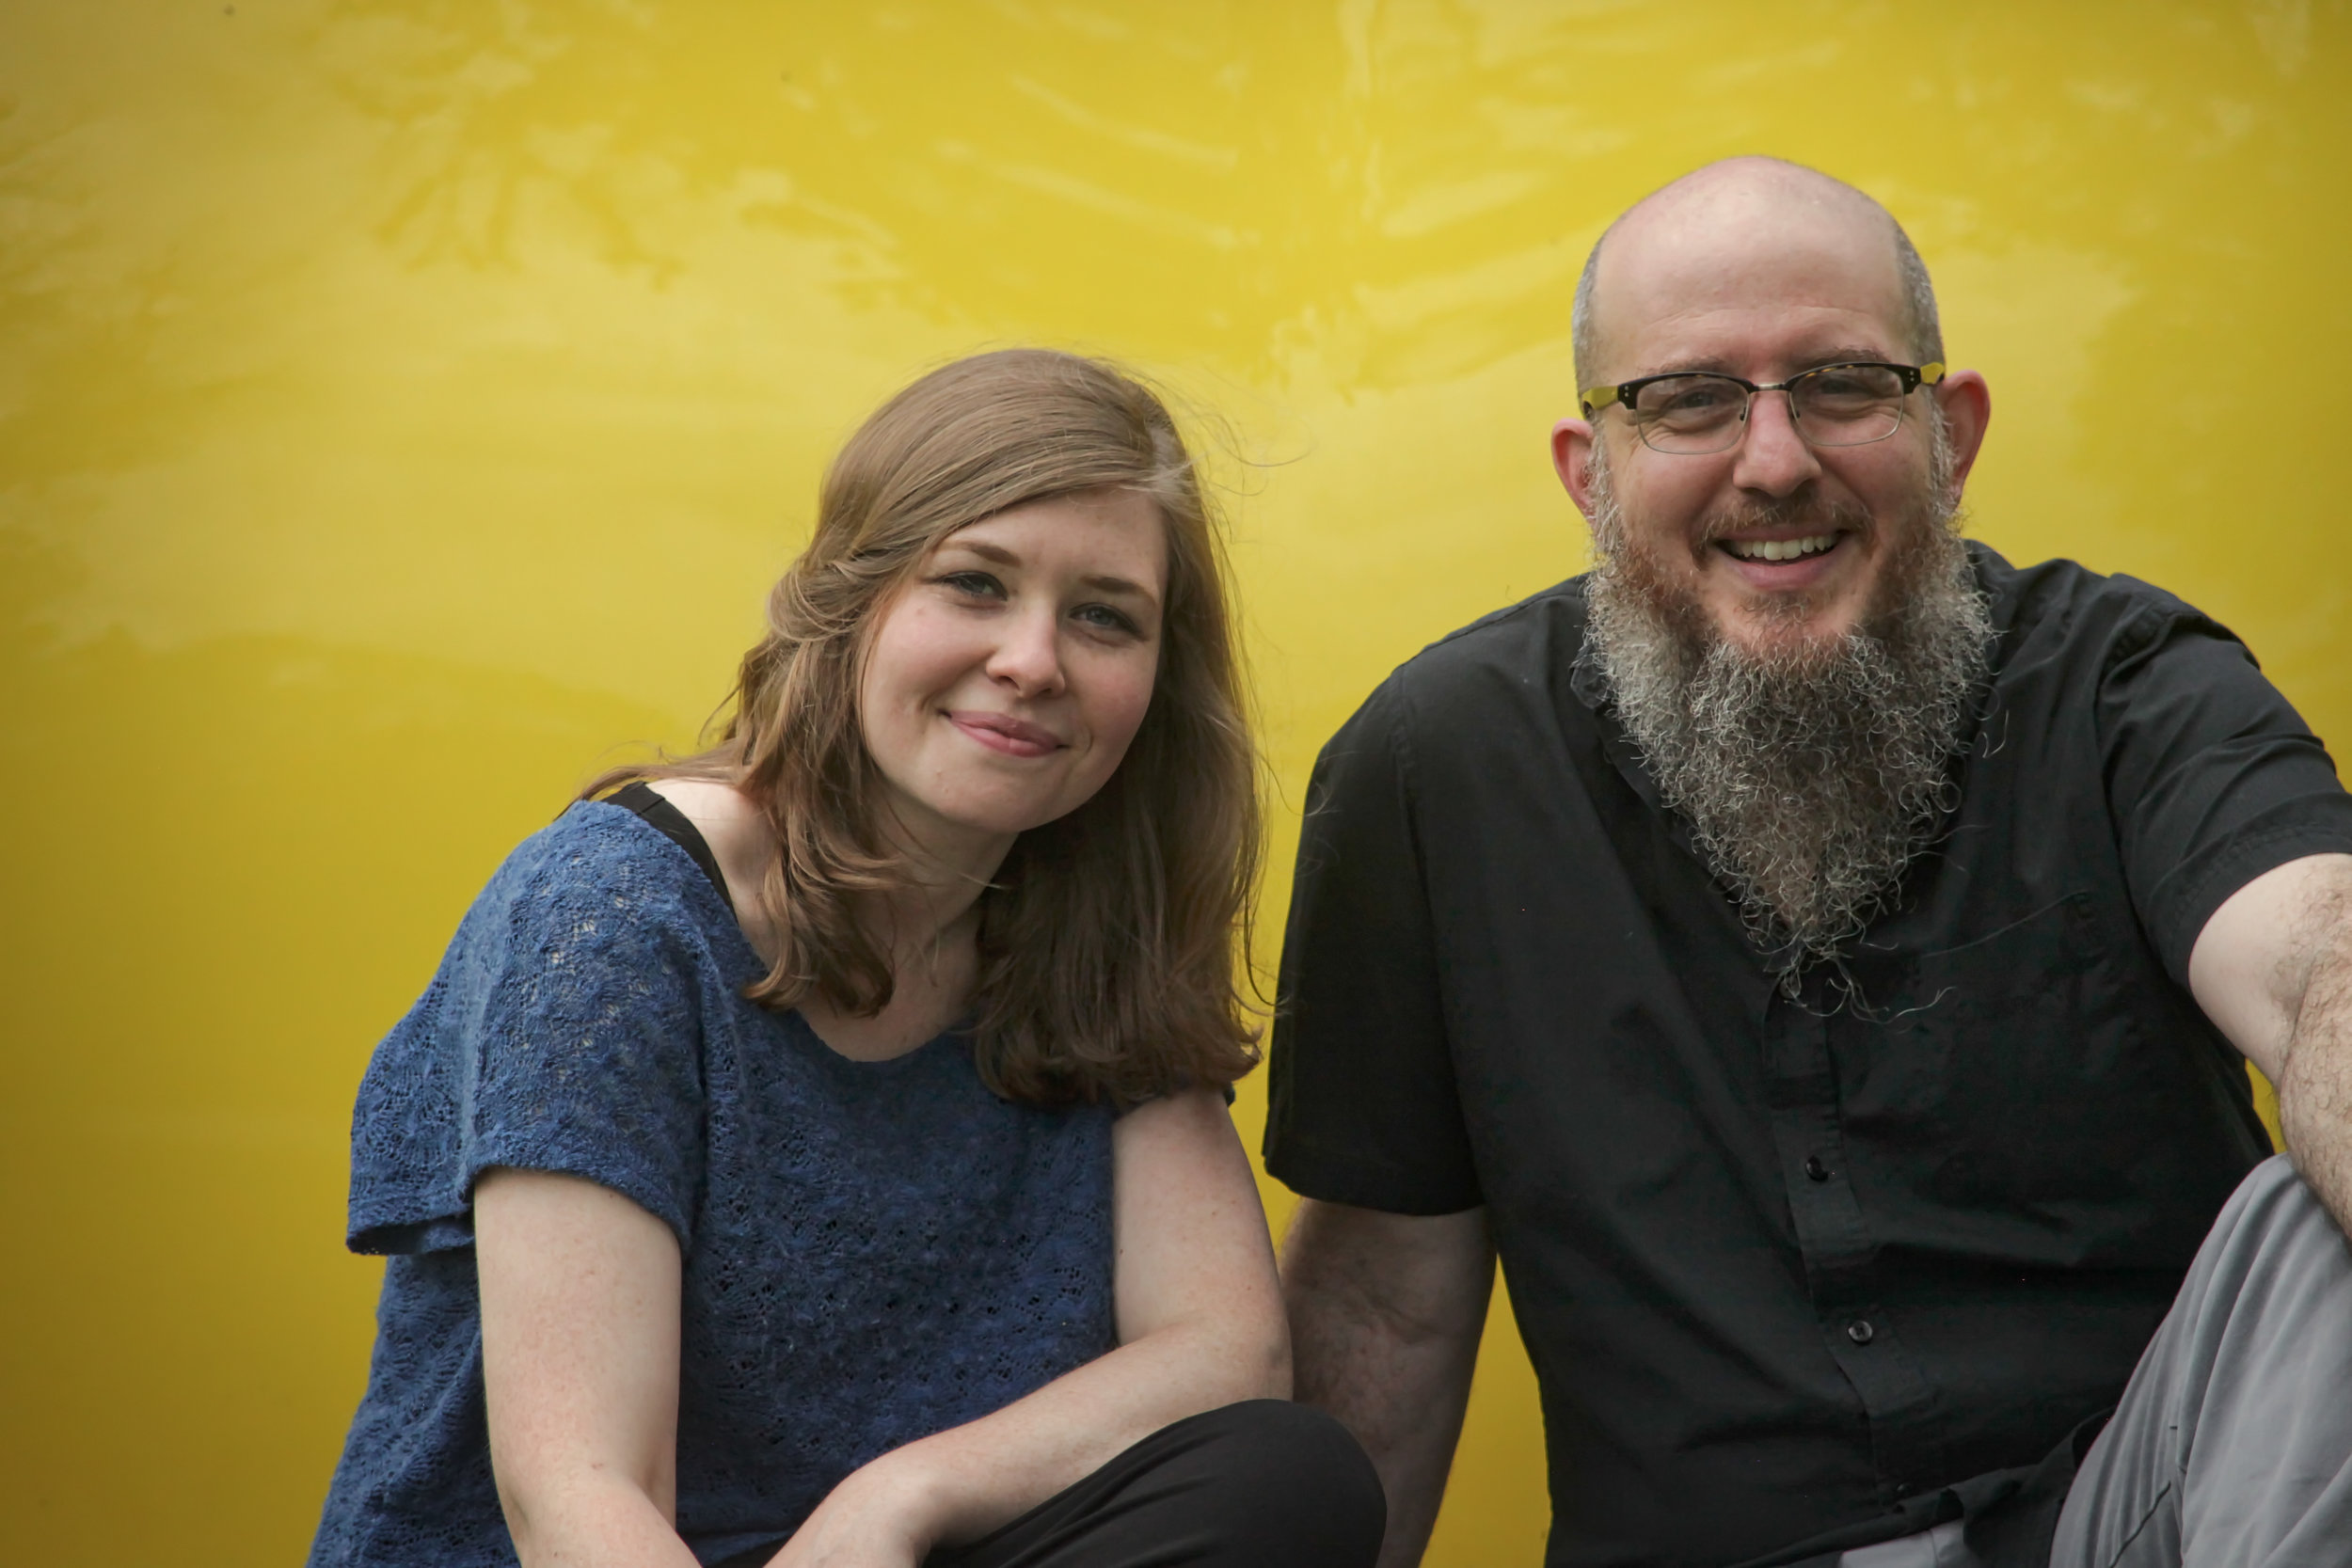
column 1779, row 550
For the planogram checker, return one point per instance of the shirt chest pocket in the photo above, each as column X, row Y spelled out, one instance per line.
column 2018, row 1072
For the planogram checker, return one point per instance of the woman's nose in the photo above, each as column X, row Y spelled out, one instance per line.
column 1028, row 657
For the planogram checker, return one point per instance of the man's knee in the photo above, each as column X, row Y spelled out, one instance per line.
column 2273, row 1183
column 2274, row 1226
column 2234, row 1429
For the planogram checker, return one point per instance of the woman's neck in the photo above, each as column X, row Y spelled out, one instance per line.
column 928, row 926
column 944, row 874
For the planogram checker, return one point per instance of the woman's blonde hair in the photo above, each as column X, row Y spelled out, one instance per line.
column 1105, row 941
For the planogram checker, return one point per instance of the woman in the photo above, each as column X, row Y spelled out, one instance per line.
column 812, row 1152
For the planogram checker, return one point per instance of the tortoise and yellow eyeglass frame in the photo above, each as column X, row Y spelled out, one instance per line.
column 1721, row 432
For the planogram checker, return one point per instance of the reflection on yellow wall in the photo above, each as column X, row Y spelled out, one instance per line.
column 403, row 403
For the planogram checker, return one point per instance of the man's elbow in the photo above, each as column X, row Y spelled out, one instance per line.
column 1411, row 1281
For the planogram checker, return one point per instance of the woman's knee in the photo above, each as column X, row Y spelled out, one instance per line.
column 1292, row 1466
column 1280, row 1430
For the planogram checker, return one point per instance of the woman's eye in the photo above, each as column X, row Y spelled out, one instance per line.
column 978, row 585
column 1103, row 618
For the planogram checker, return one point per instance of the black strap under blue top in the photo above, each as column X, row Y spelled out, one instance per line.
column 671, row 823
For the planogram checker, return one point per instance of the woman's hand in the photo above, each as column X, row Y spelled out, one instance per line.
column 1200, row 1326
column 882, row 1515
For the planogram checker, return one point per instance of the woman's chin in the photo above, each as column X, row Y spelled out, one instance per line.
column 967, row 824
column 984, row 803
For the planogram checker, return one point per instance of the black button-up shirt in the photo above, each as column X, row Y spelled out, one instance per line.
column 1789, row 1270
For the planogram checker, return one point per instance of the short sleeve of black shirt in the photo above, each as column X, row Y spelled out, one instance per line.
column 1366, row 1113
column 2211, row 776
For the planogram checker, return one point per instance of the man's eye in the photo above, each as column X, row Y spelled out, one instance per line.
column 1688, row 398
column 1849, row 383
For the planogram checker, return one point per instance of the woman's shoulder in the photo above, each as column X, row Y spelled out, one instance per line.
column 709, row 805
column 736, row 830
column 563, row 1030
column 600, row 867
column 590, row 842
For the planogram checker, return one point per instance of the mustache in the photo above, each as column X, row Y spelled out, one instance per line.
column 1803, row 508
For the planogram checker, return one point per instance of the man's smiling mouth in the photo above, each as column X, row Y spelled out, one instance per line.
column 1779, row 550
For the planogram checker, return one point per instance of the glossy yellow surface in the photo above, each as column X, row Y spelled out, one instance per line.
column 403, row 403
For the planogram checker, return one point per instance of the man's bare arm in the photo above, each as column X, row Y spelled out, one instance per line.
column 2273, row 970
column 1385, row 1311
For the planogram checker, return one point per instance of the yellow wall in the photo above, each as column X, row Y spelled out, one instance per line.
column 403, row 404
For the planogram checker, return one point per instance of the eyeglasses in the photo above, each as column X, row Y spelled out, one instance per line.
column 1691, row 412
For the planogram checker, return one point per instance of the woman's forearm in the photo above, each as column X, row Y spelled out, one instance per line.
column 959, row 1484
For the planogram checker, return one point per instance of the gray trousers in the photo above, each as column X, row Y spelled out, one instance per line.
column 2232, row 1448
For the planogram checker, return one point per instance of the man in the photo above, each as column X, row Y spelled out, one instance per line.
column 1816, row 955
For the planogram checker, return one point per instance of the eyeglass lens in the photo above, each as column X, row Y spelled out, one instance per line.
column 1837, row 405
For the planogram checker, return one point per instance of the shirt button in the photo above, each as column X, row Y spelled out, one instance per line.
column 1860, row 1331
column 1814, row 1168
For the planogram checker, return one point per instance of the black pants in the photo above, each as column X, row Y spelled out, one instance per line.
column 1262, row 1485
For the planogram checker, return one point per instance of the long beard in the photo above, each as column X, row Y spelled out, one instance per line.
column 1811, row 771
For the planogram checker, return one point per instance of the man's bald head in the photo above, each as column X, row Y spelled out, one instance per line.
column 1749, row 202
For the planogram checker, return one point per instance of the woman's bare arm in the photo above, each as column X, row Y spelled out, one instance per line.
column 579, row 1359
column 1200, row 1326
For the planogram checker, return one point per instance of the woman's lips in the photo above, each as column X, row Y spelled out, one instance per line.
column 1002, row 732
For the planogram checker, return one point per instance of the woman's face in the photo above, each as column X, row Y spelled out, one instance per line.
column 1006, row 679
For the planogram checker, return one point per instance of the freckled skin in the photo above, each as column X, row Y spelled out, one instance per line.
column 1011, row 622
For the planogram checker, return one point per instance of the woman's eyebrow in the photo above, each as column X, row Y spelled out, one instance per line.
column 1120, row 585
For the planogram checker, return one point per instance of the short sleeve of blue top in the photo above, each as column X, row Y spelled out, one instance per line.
column 873, row 1251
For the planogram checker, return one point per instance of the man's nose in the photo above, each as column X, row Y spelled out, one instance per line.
column 1773, row 457
column 1028, row 656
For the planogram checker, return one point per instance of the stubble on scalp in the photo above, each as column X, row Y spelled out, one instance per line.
column 1811, row 770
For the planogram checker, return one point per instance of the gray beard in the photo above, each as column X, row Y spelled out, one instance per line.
column 1811, row 772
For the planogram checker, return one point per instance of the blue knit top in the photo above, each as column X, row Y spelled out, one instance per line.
column 873, row 1251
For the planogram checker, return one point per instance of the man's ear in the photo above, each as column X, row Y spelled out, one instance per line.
column 1967, row 405
column 1572, row 460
